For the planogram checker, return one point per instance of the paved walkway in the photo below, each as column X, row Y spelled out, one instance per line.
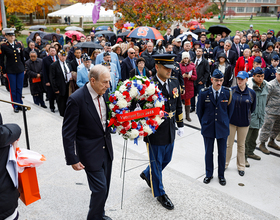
column 65, row 194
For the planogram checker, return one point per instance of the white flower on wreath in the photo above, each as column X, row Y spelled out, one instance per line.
column 122, row 88
column 147, row 129
column 134, row 133
column 158, row 120
column 119, row 128
column 149, row 105
column 150, row 90
column 111, row 106
column 155, row 97
column 126, row 81
column 133, row 92
column 122, row 103
column 159, row 104
column 118, row 95
column 114, row 114
column 138, row 77
column 139, row 82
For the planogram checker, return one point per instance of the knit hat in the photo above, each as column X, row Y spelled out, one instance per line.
column 185, row 54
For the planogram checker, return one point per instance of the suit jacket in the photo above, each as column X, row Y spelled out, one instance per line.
column 47, row 61
column 202, row 71
column 166, row 41
column 126, row 67
column 176, row 32
column 214, row 116
column 74, row 65
column 58, row 79
column 32, row 69
column 84, row 138
column 233, row 48
column 263, row 48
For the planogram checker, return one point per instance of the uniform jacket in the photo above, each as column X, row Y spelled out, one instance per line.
column 267, row 56
column 47, row 61
column 165, row 134
column 81, row 140
column 202, row 71
column 228, row 76
column 82, row 76
column 176, row 72
column 14, row 58
column 273, row 100
column 166, row 41
column 58, row 79
column 257, row 117
column 244, row 106
column 126, row 67
column 251, row 61
column 189, row 87
column 214, row 117
column 32, row 69
column 270, row 73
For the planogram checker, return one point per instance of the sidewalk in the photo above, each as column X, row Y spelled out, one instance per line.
column 65, row 193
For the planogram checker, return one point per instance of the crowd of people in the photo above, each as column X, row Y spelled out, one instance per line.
column 237, row 78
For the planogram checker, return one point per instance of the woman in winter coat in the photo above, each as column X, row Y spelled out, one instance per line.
column 242, row 64
column 223, row 65
column 159, row 47
column 189, row 74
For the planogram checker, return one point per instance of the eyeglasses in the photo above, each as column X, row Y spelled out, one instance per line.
column 132, row 52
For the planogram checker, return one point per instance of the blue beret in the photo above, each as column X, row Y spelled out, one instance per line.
column 258, row 60
column 217, row 74
column 242, row 75
column 275, row 57
column 258, row 70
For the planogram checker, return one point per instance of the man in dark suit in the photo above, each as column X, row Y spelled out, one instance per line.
column 202, row 71
column 128, row 64
column 214, row 110
column 243, row 45
column 77, row 61
column 177, row 31
column 47, row 61
column 60, row 74
column 87, row 140
column 263, row 42
column 168, row 37
column 236, row 46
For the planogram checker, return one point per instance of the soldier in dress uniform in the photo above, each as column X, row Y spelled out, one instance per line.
column 12, row 64
column 214, row 109
column 160, row 144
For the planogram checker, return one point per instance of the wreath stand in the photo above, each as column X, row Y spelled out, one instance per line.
column 123, row 164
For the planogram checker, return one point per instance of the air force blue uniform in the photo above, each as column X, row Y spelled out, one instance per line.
column 214, row 118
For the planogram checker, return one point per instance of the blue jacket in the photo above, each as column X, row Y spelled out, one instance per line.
column 214, row 116
column 114, row 77
column 270, row 73
column 82, row 76
column 244, row 106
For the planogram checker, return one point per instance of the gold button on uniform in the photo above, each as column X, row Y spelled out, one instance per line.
column 103, row 147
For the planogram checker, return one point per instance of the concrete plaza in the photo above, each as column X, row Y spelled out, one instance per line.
column 65, row 193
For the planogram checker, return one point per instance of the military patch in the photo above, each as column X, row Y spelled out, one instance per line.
column 180, row 117
column 175, row 93
column 18, row 49
column 224, row 100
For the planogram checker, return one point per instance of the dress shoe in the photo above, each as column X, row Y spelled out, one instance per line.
column 263, row 148
column 222, row 181
column 207, row 180
column 44, row 106
column 16, row 110
column 52, row 110
column 247, row 164
column 254, row 156
column 142, row 175
column 165, row 202
column 105, row 217
column 19, row 108
column 241, row 172
column 272, row 144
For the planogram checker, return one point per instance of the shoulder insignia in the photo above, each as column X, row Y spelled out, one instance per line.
column 205, row 89
column 229, row 89
column 173, row 77
column 230, row 96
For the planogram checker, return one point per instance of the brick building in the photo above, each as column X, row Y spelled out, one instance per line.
column 248, row 7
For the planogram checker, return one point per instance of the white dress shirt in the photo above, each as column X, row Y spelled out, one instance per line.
column 94, row 97
column 162, row 83
column 62, row 67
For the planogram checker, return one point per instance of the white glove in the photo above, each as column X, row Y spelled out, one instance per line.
column 180, row 131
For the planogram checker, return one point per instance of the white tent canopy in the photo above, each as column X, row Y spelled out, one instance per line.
column 84, row 11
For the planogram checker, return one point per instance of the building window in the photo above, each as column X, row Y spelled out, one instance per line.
column 250, row 0
column 273, row 1
column 240, row 9
column 231, row 0
column 257, row 9
column 231, row 8
column 265, row 1
column 249, row 9
column 241, row 0
column 258, row 1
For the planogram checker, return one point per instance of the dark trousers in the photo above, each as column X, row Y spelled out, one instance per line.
column 222, row 150
column 159, row 156
column 25, row 80
column 38, row 99
column 99, row 184
column 250, row 142
column 15, row 85
column 197, row 88
column 61, row 101
column 51, row 96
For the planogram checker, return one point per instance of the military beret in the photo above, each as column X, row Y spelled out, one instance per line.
column 258, row 70
column 217, row 74
column 242, row 75
column 258, row 60
column 275, row 57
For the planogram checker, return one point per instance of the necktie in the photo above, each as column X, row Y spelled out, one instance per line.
column 238, row 51
column 53, row 59
column 133, row 64
column 164, row 89
column 99, row 106
column 65, row 71
column 196, row 63
column 217, row 96
column 79, row 62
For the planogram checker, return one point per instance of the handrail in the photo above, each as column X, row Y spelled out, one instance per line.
column 15, row 103
column 25, row 107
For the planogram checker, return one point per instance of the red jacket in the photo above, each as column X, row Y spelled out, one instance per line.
column 240, row 65
column 251, row 61
column 189, row 88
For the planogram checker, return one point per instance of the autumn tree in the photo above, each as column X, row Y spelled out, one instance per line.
column 158, row 13
column 29, row 6
column 222, row 8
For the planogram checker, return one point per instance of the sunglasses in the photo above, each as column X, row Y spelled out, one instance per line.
column 132, row 52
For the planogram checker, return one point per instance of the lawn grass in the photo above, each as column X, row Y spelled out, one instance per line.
column 261, row 24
